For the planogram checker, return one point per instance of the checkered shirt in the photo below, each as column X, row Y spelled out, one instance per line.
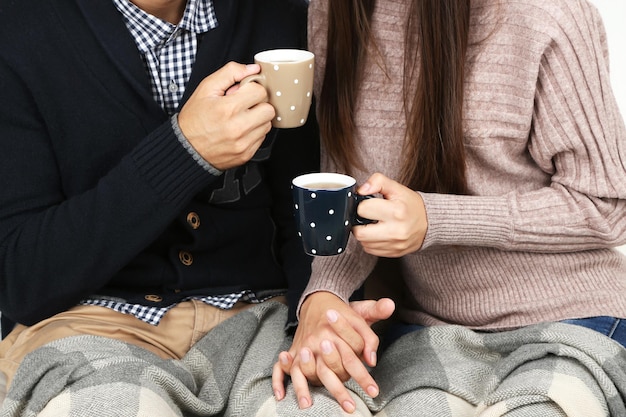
column 168, row 52
column 153, row 315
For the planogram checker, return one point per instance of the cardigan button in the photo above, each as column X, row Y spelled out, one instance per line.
column 193, row 220
column 154, row 298
column 185, row 258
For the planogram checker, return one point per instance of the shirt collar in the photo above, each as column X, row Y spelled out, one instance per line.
column 199, row 17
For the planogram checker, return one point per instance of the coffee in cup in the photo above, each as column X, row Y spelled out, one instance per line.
column 325, row 209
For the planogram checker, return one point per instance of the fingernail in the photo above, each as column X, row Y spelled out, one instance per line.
column 372, row 391
column 332, row 316
column 283, row 359
column 278, row 395
column 364, row 188
column 373, row 358
column 305, row 356
column 348, row 406
column 304, row 402
column 327, row 347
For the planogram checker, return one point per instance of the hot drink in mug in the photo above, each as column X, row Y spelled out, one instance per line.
column 325, row 209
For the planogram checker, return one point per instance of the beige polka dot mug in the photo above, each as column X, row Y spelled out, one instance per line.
column 287, row 75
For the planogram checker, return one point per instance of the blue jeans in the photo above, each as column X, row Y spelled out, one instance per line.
column 612, row 327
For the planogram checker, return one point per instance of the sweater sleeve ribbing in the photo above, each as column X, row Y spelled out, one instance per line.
column 341, row 275
column 577, row 137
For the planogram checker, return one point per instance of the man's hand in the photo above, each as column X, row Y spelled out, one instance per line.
column 331, row 343
column 225, row 123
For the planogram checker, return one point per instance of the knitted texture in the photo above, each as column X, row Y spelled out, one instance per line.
column 545, row 147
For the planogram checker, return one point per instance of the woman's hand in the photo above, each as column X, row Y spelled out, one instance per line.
column 401, row 217
column 332, row 340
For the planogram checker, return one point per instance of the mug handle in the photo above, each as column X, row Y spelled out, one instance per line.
column 358, row 220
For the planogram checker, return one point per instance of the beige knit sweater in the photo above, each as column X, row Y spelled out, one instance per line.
column 546, row 165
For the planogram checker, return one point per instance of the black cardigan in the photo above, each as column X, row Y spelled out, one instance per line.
column 97, row 192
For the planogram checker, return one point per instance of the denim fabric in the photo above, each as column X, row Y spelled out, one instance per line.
column 612, row 327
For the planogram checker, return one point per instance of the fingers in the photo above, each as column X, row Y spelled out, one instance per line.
column 327, row 349
column 307, row 365
column 334, row 382
column 280, row 371
column 251, row 95
column 285, row 361
column 301, row 387
column 329, row 377
column 373, row 311
column 336, row 388
column 218, row 83
column 227, row 130
column 352, row 365
column 378, row 183
column 224, row 82
column 401, row 214
column 298, row 368
column 359, row 337
column 346, row 330
column 278, row 381
column 327, row 370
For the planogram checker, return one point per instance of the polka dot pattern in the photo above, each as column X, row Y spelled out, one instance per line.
column 288, row 77
column 324, row 218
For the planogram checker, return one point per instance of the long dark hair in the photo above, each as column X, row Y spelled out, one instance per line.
column 437, row 35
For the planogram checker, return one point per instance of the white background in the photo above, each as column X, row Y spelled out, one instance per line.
column 614, row 16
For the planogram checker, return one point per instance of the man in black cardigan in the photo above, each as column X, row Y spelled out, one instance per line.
column 138, row 179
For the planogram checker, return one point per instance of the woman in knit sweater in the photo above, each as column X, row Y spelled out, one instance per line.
column 493, row 137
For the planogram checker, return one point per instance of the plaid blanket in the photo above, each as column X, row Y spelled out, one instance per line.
column 545, row 370
column 227, row 373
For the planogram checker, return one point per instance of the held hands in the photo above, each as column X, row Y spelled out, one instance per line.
column 401, row 217
column 225, row 123
column 331, row 343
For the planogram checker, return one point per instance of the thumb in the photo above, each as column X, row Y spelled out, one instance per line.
column 218, row 83
column 379, row 183
column 373, row 311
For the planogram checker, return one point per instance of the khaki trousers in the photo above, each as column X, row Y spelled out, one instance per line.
column 177, row 332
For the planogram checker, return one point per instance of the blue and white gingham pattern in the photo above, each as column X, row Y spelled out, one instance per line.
column 153, row 315
column 168, row 50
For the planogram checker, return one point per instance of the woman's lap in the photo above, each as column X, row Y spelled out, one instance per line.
column 612, row 327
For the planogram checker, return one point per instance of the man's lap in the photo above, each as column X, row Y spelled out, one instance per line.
column 227, row 372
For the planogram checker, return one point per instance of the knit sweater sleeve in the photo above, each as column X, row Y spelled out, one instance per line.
column 577, row 137
column 341, row 275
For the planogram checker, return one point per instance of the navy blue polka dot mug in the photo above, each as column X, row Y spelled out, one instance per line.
column 325, row 206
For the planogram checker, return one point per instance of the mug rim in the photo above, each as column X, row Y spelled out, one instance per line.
column 284, row 55
column 301, row 181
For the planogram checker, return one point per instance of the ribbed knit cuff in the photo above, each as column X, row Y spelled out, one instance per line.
column 467, row 221
column 192, row 151
column 168, row 167
column 341, row 274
